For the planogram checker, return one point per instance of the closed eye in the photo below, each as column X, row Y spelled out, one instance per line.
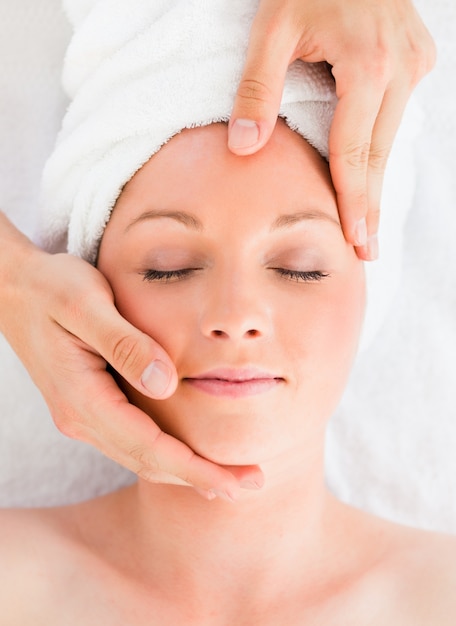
column 301, row 276
column 167, row 276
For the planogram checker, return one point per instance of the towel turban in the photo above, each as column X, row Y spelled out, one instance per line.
column 137, row 73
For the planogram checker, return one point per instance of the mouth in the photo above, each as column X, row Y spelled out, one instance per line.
column 234, row 383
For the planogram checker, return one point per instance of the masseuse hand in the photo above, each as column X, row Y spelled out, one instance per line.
column 58, row 314
column 378, row 52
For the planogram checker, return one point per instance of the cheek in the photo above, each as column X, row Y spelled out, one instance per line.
column 342, row 317
column 323, row 334
column 167, row 320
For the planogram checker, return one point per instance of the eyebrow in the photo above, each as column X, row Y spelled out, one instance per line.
column 187, row 219
column 192, row 222
column 290, row 219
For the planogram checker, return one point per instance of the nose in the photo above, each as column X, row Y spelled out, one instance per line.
column 236, row 311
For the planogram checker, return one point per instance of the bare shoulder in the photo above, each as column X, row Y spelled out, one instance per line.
column 24, row 535
column 408, row 577
column 52, row 567
column 33, row 549
column 423, row 569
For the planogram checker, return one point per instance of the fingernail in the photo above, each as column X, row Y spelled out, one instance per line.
column 156, row 378
column 243, row 134
column 223, row 495
column 372, row 247
column 361, row 232
column 207, row 495
column 250, row 484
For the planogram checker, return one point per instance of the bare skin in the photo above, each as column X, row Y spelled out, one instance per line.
column 283, row 290
column 76, row 570
column 80, row 328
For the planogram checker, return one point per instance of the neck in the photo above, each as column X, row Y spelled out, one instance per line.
column 281, row 533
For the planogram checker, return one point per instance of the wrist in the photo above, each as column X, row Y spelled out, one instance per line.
column 16, row 252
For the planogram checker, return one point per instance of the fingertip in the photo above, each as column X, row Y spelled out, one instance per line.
column 251, row 484
column 243, row 134
column 159, row 380
column 247, row 476
column 205, row 493
column 370, row 251
column 254, row 479
column 360, row 232
column 246, row 136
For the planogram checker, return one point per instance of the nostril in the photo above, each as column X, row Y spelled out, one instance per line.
column 253, row 332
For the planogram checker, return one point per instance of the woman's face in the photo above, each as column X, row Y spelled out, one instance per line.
column 238, row 267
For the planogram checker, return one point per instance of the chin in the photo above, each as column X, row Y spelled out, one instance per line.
column 246, row 432
column 234, row 439
column 239, row 454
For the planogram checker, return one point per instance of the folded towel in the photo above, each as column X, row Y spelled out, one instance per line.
column 138, row 73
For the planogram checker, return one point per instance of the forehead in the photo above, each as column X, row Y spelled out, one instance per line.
column 196, row 172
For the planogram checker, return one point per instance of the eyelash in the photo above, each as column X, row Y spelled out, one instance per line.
column 167, row 276
column 300, row 276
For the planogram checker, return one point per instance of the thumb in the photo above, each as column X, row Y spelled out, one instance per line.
column 259, row 93
column 139, row 359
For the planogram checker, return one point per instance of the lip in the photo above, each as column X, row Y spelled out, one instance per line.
column 235, row 383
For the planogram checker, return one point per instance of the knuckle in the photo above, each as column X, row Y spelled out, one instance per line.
column 378, row 158
column 126, row 356
column 372, row 61
column 146, row 460
column 253, row 91
column 380, row 68
column 420, row 58
column 355, row 156
column 67, row 422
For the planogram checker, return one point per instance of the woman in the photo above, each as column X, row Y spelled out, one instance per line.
column 259, row 300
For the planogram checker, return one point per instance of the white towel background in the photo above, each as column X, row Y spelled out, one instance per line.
column 392, row 443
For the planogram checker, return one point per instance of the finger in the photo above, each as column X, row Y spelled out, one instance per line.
column 349, row 149
column 248, row 476
column 130, row 437
column 132, row 353
column 259, row 94
column 384, row 132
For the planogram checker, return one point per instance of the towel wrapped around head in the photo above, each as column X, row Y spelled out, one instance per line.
column 138, row 73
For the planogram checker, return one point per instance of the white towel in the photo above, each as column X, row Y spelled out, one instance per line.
column 138, row 73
